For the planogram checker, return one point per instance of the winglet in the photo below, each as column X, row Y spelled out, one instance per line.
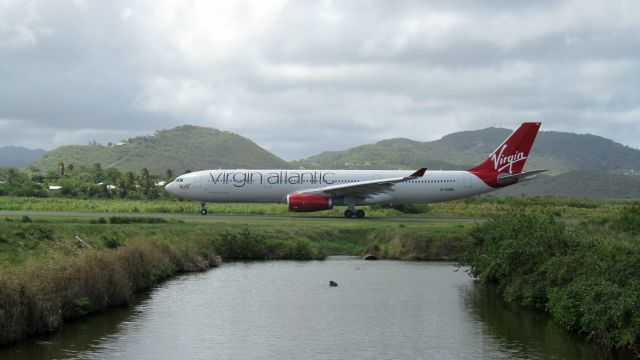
column 419, row 173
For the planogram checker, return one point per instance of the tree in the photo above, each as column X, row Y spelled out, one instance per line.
column 145, row 182
column 97, row 168
column 13, row 176
column 125, row 183
column 61, row 167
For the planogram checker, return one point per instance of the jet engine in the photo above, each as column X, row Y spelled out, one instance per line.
column 308, row 202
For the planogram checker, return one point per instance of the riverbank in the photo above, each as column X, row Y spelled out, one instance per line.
column 585, row 276
column 56, row 269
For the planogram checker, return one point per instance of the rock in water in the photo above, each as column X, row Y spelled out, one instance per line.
column 333, row 283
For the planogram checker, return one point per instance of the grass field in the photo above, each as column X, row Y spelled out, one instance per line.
column 473, row 207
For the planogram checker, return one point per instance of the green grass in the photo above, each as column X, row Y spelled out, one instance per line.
column 45, row 235
column 473, row 207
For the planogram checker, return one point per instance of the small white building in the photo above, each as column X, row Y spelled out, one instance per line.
column 55, row 187
column 109, row 187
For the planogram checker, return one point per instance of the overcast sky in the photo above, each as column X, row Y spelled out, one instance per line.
column 300, row 77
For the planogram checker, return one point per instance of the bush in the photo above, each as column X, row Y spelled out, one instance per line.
column 587, row 280
column 405, row 208
column 510, row 249
column 628, row 220
column 82, row 306
column 136, row 219
column 111, row 242
column 241, row 246
column 29, row 188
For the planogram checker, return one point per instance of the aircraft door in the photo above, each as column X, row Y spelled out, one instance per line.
column 466, row 179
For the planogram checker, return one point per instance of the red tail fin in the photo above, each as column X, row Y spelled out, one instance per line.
column 509, row 157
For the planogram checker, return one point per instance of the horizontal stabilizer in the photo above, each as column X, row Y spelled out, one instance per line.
column 507, row 179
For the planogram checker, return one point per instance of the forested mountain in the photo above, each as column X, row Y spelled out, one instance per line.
column 179, row 149
column 17, row 156
column 588, row 184
column 557, row 151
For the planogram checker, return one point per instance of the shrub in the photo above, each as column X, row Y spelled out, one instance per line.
column 587, row 280
column 510, row 249
column 242, row 245
column 628, row 220
column 136, row 219
column 82, row 306
column 111, row 242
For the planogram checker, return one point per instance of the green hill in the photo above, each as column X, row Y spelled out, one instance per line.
column 559, row 152
column 597, row 185
column 179, row 149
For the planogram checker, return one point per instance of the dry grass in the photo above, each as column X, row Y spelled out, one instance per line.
column 40, row 297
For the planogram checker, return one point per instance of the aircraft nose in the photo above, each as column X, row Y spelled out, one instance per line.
column 170, row 188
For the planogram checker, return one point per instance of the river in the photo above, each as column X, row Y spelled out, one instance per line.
column 287, row 310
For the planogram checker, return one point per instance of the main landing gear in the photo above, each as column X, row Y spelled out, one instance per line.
column 203, row 209
column 359, row 213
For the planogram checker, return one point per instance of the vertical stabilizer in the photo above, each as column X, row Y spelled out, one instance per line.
column 509, row 158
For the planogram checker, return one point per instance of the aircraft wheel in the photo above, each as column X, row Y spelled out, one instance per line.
column 360, row 213
column 348, row 214
column 203, row 212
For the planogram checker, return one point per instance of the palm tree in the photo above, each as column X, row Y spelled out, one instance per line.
column 125, row 182
column 144, row 180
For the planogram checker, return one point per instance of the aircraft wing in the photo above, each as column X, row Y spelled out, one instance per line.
column 363, row 189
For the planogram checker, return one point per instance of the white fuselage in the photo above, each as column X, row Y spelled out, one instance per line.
column 273, row 186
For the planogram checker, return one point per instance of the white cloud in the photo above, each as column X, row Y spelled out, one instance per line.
column 20, row 24
column 302, row 77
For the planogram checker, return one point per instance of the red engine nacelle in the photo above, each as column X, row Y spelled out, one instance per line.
column 308, row 202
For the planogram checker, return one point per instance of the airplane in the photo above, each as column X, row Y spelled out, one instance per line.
column 318, row 190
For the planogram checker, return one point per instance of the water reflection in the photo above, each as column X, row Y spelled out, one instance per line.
column 527, row 334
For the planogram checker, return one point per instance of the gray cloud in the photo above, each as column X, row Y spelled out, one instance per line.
column 302, row 77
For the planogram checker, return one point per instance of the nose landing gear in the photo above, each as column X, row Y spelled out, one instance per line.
column 203, row 209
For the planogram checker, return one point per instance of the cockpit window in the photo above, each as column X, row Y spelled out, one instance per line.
column 179, row 180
